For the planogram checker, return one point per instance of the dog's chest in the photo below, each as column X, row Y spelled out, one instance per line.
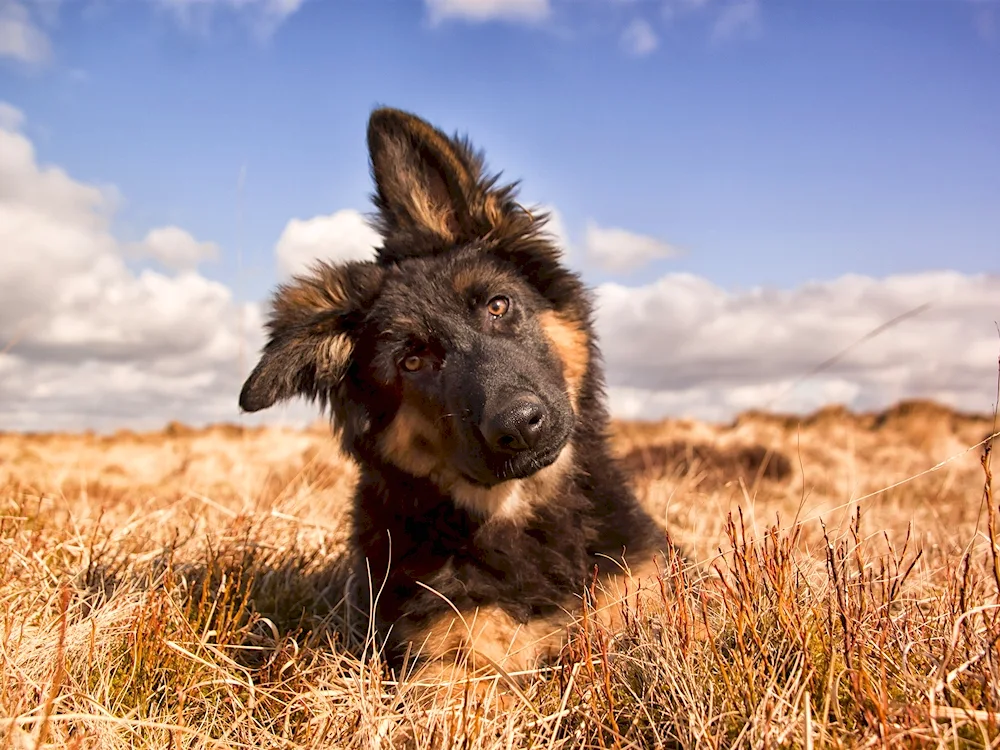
column 530, row 566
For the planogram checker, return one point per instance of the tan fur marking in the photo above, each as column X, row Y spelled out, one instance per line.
column 333, row 355
column 431, row 203
column 515, row 499
column 316, row 293
column 471, row 646
column 428, row 212
column 570, row 343
column 492, row 210
column 465, row 279
column 413, row 443
column 491, row 633
column 442, row 149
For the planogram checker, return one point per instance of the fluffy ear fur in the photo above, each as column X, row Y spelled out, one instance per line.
column 311, row 333
column 422, row 185
column 433, row 192
column 430, row 189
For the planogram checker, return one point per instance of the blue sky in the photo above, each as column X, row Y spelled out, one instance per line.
column 774, row 146
column 812, row 139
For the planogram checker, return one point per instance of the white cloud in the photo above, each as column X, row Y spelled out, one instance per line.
column 639, row 39
column 265, row 16
column 174, row 248
column 20, row 37
column 86, row 341
column 487, row 10
column 556, row 228
column 11, row 118
column 741, row 18
column 341, row 236
column 682, row 345
column 618, row 250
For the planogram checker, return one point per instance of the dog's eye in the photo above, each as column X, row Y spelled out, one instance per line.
column 413, row 363
column 498, row 306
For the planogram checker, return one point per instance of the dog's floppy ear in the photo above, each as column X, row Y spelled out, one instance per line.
column 311, row 328
column 425, row 184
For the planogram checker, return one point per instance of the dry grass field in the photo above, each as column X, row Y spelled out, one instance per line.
column 186, row 589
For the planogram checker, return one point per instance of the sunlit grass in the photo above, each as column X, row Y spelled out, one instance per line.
column 189, row 589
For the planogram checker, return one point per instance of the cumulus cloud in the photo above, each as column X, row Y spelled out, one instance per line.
column 618, row 250
column 20, row 36
column 174, row 248
column 487, row 10
column 682, row 345
column 346, row 235
column 555, row 228
column 86, row 342
column 11, row 118
column 341, row 236
column 639, row 39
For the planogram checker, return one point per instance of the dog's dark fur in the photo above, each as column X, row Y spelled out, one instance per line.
column 461, row 370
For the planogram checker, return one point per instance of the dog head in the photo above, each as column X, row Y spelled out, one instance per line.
column 459, row 353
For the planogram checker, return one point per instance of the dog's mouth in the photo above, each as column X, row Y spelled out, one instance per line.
column 518, row 466
column 523, row 466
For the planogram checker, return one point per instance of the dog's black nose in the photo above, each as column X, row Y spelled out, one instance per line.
column 517, row 426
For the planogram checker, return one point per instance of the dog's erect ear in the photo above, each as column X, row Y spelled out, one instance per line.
column 433, row 191
column 425, row 182
column 311, row 332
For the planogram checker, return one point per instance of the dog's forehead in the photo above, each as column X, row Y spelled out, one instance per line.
column 443, row 285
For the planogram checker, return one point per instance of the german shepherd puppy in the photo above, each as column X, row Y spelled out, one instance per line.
column 460, row 368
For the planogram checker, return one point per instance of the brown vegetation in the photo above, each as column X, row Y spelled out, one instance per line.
column 184, row 588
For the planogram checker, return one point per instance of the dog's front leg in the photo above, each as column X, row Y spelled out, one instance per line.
column 482, row 653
